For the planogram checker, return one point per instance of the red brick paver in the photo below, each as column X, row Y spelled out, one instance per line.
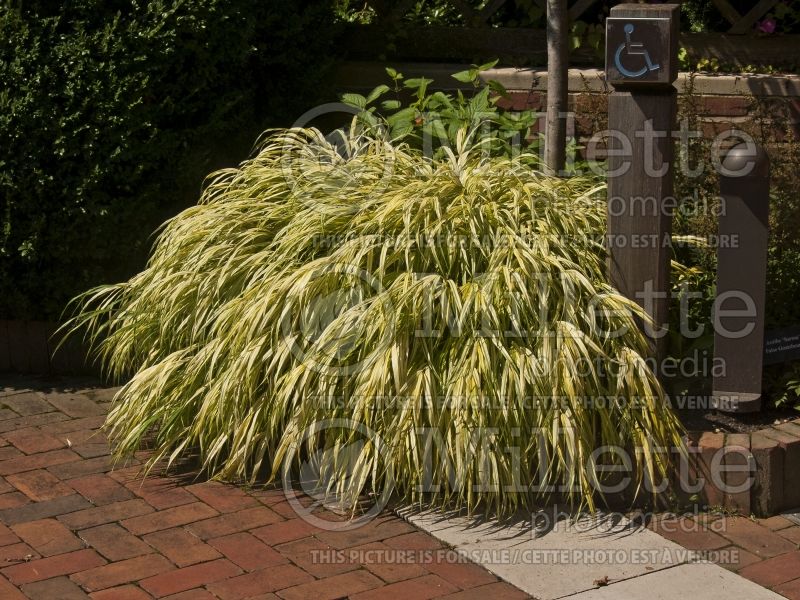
column 48, row 537
column 124, row 571
column 53, row 566
column 762, row 550
column 190, row 578
column 71, row 527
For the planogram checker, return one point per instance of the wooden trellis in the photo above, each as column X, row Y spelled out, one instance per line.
column 473, row 16
column 477, row 39
column 743, row 23
column 480, row 16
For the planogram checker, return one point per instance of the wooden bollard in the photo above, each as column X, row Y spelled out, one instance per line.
column 641, row 64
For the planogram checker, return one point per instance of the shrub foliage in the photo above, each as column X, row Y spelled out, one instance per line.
column 107, row 114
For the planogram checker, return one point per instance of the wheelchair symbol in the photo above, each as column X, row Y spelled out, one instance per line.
column 636, row 49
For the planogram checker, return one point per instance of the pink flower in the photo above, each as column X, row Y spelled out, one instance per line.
column 768, row 25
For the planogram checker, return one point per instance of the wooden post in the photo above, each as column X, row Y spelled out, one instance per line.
column 641, row 64
column 741, row 278
column 557, row 86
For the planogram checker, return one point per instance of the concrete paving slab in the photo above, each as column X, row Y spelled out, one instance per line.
column 559, row 565
column 557, row 561
column 456, row 529
column 701, row 581
column 793, row 516
column 570, row 557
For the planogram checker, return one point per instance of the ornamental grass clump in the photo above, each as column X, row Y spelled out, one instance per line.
column 456, row 309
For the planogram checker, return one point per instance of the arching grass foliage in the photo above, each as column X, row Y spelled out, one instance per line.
column 457, row 308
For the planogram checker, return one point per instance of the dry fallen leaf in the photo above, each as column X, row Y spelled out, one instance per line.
column 602, row 581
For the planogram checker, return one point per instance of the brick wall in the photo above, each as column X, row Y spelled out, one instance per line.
column 760, row 104
column 773, row 116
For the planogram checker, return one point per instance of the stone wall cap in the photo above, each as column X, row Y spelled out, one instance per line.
column 366, row 75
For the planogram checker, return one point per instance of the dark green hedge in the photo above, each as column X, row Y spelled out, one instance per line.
column 113, row 111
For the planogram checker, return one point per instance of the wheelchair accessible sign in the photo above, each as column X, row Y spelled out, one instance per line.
column 638, row 51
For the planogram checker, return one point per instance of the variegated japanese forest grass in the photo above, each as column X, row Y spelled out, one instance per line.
column 378, row 249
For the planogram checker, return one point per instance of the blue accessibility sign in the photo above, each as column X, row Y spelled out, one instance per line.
column 637, row 50
column 631, row 48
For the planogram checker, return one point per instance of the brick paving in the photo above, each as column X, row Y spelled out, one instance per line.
column 766, row 551
column 71, row 527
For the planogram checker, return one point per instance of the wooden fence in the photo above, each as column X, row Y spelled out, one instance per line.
column 481, row 14
column 390, row 37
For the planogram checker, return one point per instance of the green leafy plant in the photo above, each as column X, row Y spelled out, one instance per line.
column 588, row 35
column 344, row 277
column 431, row 121
column 784, row 385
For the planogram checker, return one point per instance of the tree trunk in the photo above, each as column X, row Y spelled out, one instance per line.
column 557, row 64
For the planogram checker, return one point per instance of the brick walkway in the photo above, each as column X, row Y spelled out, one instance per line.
column 762, row 550
column 71, row 528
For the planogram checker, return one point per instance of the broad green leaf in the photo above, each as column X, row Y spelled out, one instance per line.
column 442, row 98
column 391, row 104
column 498, row 88
column 401, row 129
column 480, row 102
column 377, row 93
column 405, row 115
column 465, row 76
column 356, row 100
column 417, row 82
